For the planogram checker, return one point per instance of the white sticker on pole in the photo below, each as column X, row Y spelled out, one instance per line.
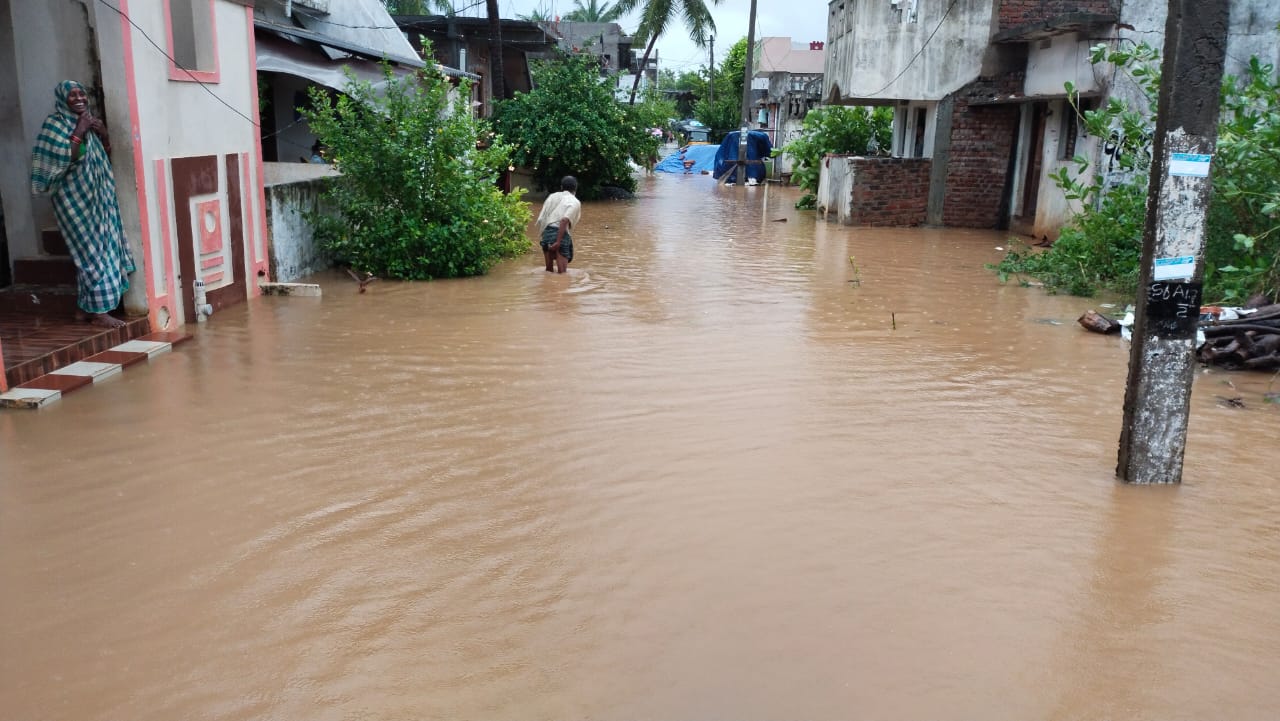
column 1176, row 268
column 1189, row 164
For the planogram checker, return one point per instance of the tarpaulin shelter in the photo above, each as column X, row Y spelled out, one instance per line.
column 758, row 148
column 703, row 157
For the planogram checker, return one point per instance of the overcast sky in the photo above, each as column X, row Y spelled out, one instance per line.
column 801, row 20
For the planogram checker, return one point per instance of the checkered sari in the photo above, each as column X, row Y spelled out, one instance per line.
column 85, row 206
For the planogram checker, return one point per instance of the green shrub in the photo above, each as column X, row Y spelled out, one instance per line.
column 1096, row 250
column 417, row 199
column 837, row 129
column 570, row 124
column 1100, row 248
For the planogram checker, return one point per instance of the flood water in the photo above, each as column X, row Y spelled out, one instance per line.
column 704, row 476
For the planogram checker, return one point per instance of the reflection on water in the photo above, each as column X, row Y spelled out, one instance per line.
column 703, row 475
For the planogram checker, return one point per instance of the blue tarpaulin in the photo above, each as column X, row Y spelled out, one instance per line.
column 758, row 148
column 703, row 157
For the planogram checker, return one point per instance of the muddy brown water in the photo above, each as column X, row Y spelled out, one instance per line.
column 704, row 476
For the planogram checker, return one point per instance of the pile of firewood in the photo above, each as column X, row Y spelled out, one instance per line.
column 1252, row 341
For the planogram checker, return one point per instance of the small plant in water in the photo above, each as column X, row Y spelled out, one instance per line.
column 857, row 272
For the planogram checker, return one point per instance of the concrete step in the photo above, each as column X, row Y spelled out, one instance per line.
column 48, row 270
column 39, row 298
column 52, row 242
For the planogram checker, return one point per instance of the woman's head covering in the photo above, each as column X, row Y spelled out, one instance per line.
column 51, row 157
column 61, row 92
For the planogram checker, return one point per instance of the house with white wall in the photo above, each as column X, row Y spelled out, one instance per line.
column 978, row 92
column 175, row 83
column 787, row 84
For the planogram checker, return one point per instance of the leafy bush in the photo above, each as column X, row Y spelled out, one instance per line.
column 1243, row 253
column 417, row 199
column 1095, row 250
column 837, row 129
column 1101, row 246
column 570, row 124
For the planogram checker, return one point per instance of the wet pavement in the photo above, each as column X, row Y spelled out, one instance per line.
column 704, row 475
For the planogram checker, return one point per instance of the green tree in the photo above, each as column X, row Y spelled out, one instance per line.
column 837, row 129
column 656, row 18
column 593, row 12
column 724, row 113
column 417, row 199
column 570, row 124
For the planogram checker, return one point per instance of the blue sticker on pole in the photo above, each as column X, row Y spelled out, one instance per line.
column 1175, row 268
column 1189, row 165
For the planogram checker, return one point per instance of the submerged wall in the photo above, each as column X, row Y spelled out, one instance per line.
column 293, row 192
column 874, row 191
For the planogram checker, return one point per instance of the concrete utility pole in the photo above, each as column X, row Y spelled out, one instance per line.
column 1161, row 362
column 711, row 75
column 746, row 96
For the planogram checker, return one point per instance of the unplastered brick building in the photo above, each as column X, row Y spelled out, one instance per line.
column 979, row 93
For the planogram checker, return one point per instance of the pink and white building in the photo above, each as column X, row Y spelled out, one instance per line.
column 175, row 81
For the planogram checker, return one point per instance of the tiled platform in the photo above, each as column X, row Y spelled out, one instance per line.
column 94, row 369
column 38, row 340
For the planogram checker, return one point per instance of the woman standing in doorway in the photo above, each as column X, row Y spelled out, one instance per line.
column 70, row 161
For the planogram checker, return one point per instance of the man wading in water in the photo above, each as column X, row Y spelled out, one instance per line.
column 559, row 213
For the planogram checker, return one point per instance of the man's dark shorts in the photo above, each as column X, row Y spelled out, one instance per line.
column 549, row 239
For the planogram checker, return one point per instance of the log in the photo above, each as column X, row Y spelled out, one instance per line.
column 1233, row 327
column 1098, row 323
column 1264, row 362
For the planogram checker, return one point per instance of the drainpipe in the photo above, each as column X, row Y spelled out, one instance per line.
column 203, row 308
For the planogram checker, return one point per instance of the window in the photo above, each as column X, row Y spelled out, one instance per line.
column 1069, row 129
column 917, row 148
column 193, row 40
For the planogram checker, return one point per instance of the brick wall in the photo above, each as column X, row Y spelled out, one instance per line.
column 1016, row 13
column 890, row 191
column 982, row 139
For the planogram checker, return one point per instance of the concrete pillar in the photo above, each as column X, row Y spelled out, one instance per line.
column 941, row 156
column 1161, row 362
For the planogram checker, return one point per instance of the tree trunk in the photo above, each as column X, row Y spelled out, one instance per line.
column 644, row 63
column 497, row 79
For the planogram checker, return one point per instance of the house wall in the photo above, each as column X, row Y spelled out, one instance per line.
column 1016, row 13
column 855, row 190
column 981, row 142
column 41, row 44
column 889, row 191
column 293, row 193
column 1053, row 62
column 194, row 168
column 874, row 48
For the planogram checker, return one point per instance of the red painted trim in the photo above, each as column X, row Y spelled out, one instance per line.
column 193, row 76
column 139, row 164
column 3, row 385
column 166, row 237
column 246, row 210
column 260, row 219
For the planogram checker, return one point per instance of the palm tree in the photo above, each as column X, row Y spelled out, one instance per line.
column 594, row 12
column 540, row 14
column 658, row 15
column 420, row 7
